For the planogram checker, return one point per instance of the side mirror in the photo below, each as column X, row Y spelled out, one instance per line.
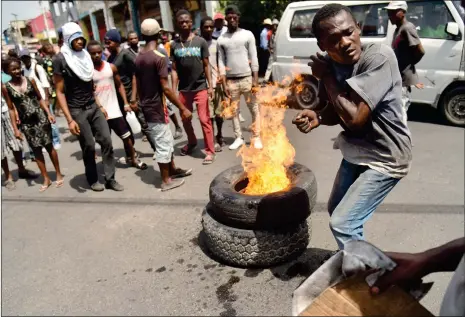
column 452, row 28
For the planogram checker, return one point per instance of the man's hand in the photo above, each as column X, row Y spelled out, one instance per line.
column 210, row 92
column 409, row 270
column 74, row 128
column 134, row 106
column 105, row 113
column 319, row 65
column 226, row 90
column 306, row 121
column 18, row 134
column 51, row 119
column 127, row 108
column 186, row 114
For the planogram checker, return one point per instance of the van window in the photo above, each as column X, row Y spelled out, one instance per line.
column 372, row 18
column 430, row 18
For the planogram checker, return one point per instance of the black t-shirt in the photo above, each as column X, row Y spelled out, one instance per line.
column 124, row 62
column 188, row 57
column 78, row 93
column 150, row 66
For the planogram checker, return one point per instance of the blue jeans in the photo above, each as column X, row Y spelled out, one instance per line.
column 357, row 191
column 55, row 130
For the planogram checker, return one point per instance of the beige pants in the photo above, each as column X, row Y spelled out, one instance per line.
column 243, row 86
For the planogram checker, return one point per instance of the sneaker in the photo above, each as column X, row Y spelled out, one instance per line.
column 177, row 134
column 97, row 187
column 112, row 184
column 180, row 173
column 57, row 146
column 173, row 183
column 257, row 143
column 236, row 144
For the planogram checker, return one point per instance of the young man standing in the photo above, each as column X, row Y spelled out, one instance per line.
column 133, row 43
column 407, row 47
column 264, row 51
column 271, row 48
column 152, row 87
column 236, row 48
column 206, row 27
column 73, row 71
column 360, row 89
column 107, row 81
column 190, row 60
column 220, row 28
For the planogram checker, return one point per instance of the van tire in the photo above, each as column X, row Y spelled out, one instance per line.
column 306, row 97
column 453, row 102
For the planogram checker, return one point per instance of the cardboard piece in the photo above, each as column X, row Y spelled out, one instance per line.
column 352, row 297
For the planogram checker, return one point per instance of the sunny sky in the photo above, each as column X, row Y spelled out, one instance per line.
column 24, row 10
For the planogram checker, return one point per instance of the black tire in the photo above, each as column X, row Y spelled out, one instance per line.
column 248, row 248
column 262, row 212
column 452, row 106
column 306, row 94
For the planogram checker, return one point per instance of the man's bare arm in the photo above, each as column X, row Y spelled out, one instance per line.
column 60, row 91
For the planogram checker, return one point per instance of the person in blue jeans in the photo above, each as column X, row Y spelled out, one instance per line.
column 361, row 90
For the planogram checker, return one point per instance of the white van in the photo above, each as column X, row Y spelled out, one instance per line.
column 440, row 25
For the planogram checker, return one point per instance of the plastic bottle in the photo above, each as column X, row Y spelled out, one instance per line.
column 133, row 122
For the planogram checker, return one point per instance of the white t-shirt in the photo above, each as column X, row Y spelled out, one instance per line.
column 105, row 90
column 41, row 82
column 217, row 33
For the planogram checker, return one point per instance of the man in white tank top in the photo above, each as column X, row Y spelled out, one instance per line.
column 106, row 81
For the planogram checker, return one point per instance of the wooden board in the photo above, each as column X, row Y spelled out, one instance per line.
column 352, row 297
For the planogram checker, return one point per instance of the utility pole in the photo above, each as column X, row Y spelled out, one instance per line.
column 46, row 25
column 19, row 35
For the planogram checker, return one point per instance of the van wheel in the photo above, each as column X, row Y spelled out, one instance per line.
column 306, row 94
column 453, row 106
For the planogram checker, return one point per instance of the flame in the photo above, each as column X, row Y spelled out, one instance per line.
column 266, row 168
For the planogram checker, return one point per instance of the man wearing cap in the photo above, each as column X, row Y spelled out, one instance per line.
column 151, row 79
column 72, row 72
column 271, row 48
column 220, row 28
column 407, row 47
column 264, row 52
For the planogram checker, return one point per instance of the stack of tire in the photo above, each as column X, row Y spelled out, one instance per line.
column 263, row 230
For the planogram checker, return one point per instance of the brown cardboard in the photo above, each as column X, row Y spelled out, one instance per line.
column 352, row 297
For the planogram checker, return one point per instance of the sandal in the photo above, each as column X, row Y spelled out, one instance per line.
column 179, row 173
column 44, row 187
column 10, row 184
column 140, row 165
column 59, row 183
column 209, row 159
column 188, row 149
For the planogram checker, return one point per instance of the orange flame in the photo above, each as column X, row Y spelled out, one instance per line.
column 266, row 169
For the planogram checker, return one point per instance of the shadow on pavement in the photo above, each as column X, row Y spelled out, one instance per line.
column 424, row 113
column 150, row 176
column 79, row 183
column 197, row 153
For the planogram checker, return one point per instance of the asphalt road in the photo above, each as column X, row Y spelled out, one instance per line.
column 70, row 251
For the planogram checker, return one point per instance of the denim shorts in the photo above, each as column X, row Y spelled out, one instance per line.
column 161, row 135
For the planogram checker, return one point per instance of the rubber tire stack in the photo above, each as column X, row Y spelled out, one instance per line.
column 259, row 231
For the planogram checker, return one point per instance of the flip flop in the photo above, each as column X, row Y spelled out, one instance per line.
column 59, row 183
column 209, row 159
column 44, row 187
column 140, row 165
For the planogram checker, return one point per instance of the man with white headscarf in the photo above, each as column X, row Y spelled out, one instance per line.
column 73, row 70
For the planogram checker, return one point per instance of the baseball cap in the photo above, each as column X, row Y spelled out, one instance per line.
column 113, row 35
column 218, row 16
column 150, row 27
column 275, row 22
column 24, row 52
column 396, row 5
column 267, row 22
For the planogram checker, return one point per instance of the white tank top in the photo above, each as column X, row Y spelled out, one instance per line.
column 105, row 90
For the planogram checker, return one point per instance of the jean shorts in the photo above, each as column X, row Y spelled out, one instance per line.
column 161, row 135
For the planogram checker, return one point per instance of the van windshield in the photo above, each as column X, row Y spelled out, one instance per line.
column 460, row 9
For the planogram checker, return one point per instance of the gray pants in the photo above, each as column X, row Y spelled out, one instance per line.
column 92, row 123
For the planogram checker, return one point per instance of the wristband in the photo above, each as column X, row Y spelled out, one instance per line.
column 69, row 122
column 126, row 105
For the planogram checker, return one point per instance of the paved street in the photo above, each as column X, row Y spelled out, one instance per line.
column 70, row 251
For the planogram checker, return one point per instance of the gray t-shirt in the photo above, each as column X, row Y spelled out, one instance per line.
column 405, row 37
column 386, row 145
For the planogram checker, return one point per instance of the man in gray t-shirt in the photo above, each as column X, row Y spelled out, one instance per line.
column 407, row 47
column 360, row 89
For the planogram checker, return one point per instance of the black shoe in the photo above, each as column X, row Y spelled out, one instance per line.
column 97, row 187
column 112, row 184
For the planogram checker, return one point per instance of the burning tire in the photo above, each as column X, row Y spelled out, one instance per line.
column 248, row 248
column 262, row 212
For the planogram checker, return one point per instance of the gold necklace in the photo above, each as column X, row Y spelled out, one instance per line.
column 190, row 41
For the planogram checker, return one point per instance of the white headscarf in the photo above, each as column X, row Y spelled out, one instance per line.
column 79, row 62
